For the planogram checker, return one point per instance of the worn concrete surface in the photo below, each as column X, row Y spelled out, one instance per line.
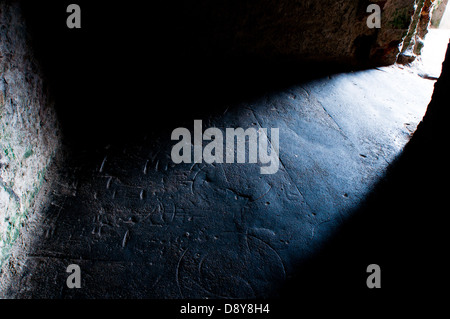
column 140, row 226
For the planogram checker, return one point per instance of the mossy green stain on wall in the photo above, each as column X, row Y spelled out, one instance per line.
column 28, row 153
column 9, row 152
column 16, row 221
column 28, row 128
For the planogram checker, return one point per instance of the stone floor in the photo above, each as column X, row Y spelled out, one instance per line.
column 140, row 226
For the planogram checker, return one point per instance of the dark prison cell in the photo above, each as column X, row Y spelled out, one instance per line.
column 87, row 175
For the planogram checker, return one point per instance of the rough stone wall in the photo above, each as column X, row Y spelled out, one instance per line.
column 325, row 31
column 396, row 20
column 28, row 127
column 422, row 25
column 418, row 29
column 438, row 12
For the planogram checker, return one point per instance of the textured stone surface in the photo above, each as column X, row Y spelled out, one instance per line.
column 28, row 132
column 140, row 226
column 418, row 29
column 438, row 13
column 422, row 25
column 329, row 31
column 445, row 21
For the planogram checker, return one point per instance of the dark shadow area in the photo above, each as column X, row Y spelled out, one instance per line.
column 129, row 71
column 400, row 226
